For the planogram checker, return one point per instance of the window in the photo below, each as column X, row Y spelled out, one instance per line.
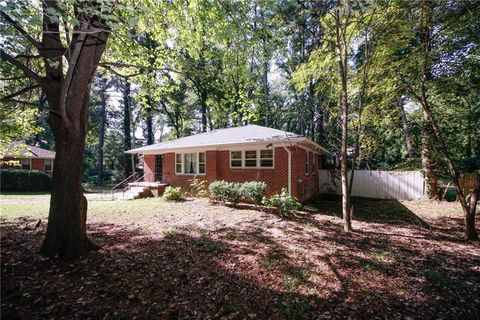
column 307, row 156
column 314, row 163
column 26, row 164
column 178, row 163
column 48, row 165
column 201, row 162
column 251, row 158
column 190, row 163
column 236, row 159
column 266, row 158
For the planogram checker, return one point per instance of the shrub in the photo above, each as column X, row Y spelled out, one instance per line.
column 198, row 188
column 283, row 202
column 173, row 194
column 225, row 191
column 24, row 180
column 253, row 191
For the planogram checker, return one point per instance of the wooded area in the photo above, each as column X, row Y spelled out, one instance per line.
column 380, row 84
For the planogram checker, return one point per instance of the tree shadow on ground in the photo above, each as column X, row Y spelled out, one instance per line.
column 371, row 210
column 279, row 271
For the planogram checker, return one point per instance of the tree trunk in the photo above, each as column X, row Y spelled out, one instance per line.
column 203, row 105
column 149, row 120
column 101, row 135
column 406, row 131
column 127, row 139
column 429, row 165
column 342, row 68
column 66, row 236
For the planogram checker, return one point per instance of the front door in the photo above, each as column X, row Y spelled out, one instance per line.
column 158, row 168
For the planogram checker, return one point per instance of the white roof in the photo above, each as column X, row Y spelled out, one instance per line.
column 224, row 137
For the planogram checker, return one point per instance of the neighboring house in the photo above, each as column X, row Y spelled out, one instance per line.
column 249, row 153
column 31, row 158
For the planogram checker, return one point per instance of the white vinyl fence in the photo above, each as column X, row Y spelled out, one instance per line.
column 399, row 185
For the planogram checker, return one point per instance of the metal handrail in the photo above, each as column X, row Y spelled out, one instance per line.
column 122, row 182
column 127, row 187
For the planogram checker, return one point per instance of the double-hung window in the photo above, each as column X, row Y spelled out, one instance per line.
column 251, row 159
column 266, row 158
column 26, row 163
column 236, row 159
column 48, row 165
column 190, row 163
column 178, row 163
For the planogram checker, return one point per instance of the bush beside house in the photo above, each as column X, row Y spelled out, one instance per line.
column 173, row 194
column 283, row 202
column 24, row 180
column 253, row 191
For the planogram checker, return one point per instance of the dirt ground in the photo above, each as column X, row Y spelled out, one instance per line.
column 198, row 260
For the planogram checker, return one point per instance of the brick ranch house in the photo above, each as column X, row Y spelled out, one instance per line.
column 248, row 153
column 30, row 158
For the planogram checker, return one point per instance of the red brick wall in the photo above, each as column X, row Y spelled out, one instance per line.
column 38, row 164
column 276, row 178
column 149, row 167
column 306, row 186
column 218, row 168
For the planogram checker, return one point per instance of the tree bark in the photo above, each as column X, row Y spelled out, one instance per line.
column 429, row 165
column 127, row 139
column 66, row 236
column 406, row 131
column 341, row 48
column 101, row 133
column 149, row 122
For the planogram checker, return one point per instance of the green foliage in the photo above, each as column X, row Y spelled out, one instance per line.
column 198, row 188
column 283, row 202
column 173, row 194
column 253, row 191
column 225, row 191
column 24, row 180
column 470, row 165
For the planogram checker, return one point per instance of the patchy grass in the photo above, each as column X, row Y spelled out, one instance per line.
column 161, row 260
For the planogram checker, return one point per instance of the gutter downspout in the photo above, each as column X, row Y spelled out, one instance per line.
column 289, row 187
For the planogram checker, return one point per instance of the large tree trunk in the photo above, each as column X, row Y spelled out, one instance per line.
column 101, row 135
column 66, row 236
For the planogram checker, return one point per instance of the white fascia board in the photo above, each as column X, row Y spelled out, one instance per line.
column 219, row 146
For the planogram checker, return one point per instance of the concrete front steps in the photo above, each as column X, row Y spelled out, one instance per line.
column 137, row 193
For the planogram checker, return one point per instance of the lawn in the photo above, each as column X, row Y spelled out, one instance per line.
column 199, row 260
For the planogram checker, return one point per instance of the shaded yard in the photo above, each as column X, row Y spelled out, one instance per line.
column 199, row 260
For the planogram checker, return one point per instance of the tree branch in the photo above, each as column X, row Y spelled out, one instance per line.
column 13, row 95
column 24, row 33
column 27, row 71
column 21, row 102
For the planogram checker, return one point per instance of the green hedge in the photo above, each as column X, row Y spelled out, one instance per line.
column 24, row 180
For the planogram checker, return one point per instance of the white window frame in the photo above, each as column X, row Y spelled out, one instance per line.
column 307, row 162
column 243, row 159
column 29, row 163
column 182, row 162
column 45, row 165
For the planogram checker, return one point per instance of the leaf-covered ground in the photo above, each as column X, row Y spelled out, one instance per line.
column 196, row 260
